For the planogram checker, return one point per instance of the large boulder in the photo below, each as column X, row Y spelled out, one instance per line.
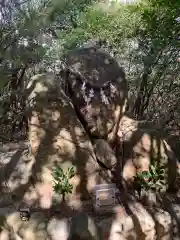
column 139, row 145
column 57, row 137
column 98, row 88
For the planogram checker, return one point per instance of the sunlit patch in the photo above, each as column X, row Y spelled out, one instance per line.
column 106, row 61
column 30, row 196
column 55, row 115
column 45, row 192
column 78, row 131
column 145, row 138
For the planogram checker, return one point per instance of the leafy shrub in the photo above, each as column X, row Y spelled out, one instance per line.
column 154, row 179
column 61, row 180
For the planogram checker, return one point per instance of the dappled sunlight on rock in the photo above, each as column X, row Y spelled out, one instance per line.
column 164, row 224
column 126, row 128
column 31, row 196
column 59, row 229
column 143, row 220
column 4, row 234
column 64, row 144
column 122, row 224
column 66, row 141
column 45, row 193
column 140, row 144
column 14, row 221
column 20, row 175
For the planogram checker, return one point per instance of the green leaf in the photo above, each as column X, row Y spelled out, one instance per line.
column 61, row 183
column 70, row 172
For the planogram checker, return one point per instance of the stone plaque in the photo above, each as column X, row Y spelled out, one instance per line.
column 25, row 214
column 105, row 197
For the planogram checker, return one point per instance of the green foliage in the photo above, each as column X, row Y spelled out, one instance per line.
column 95, row 22
column 154, row 179
column 61, row 180
column 159, row 27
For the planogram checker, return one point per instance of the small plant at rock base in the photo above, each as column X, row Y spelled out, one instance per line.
column 61, row 181
column 154, row 179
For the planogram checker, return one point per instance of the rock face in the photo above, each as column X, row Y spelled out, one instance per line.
column 59, row 229
column 98, row 89
column 104, row 153
column 139, row 223
column 57, row 137
column 140, row 144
